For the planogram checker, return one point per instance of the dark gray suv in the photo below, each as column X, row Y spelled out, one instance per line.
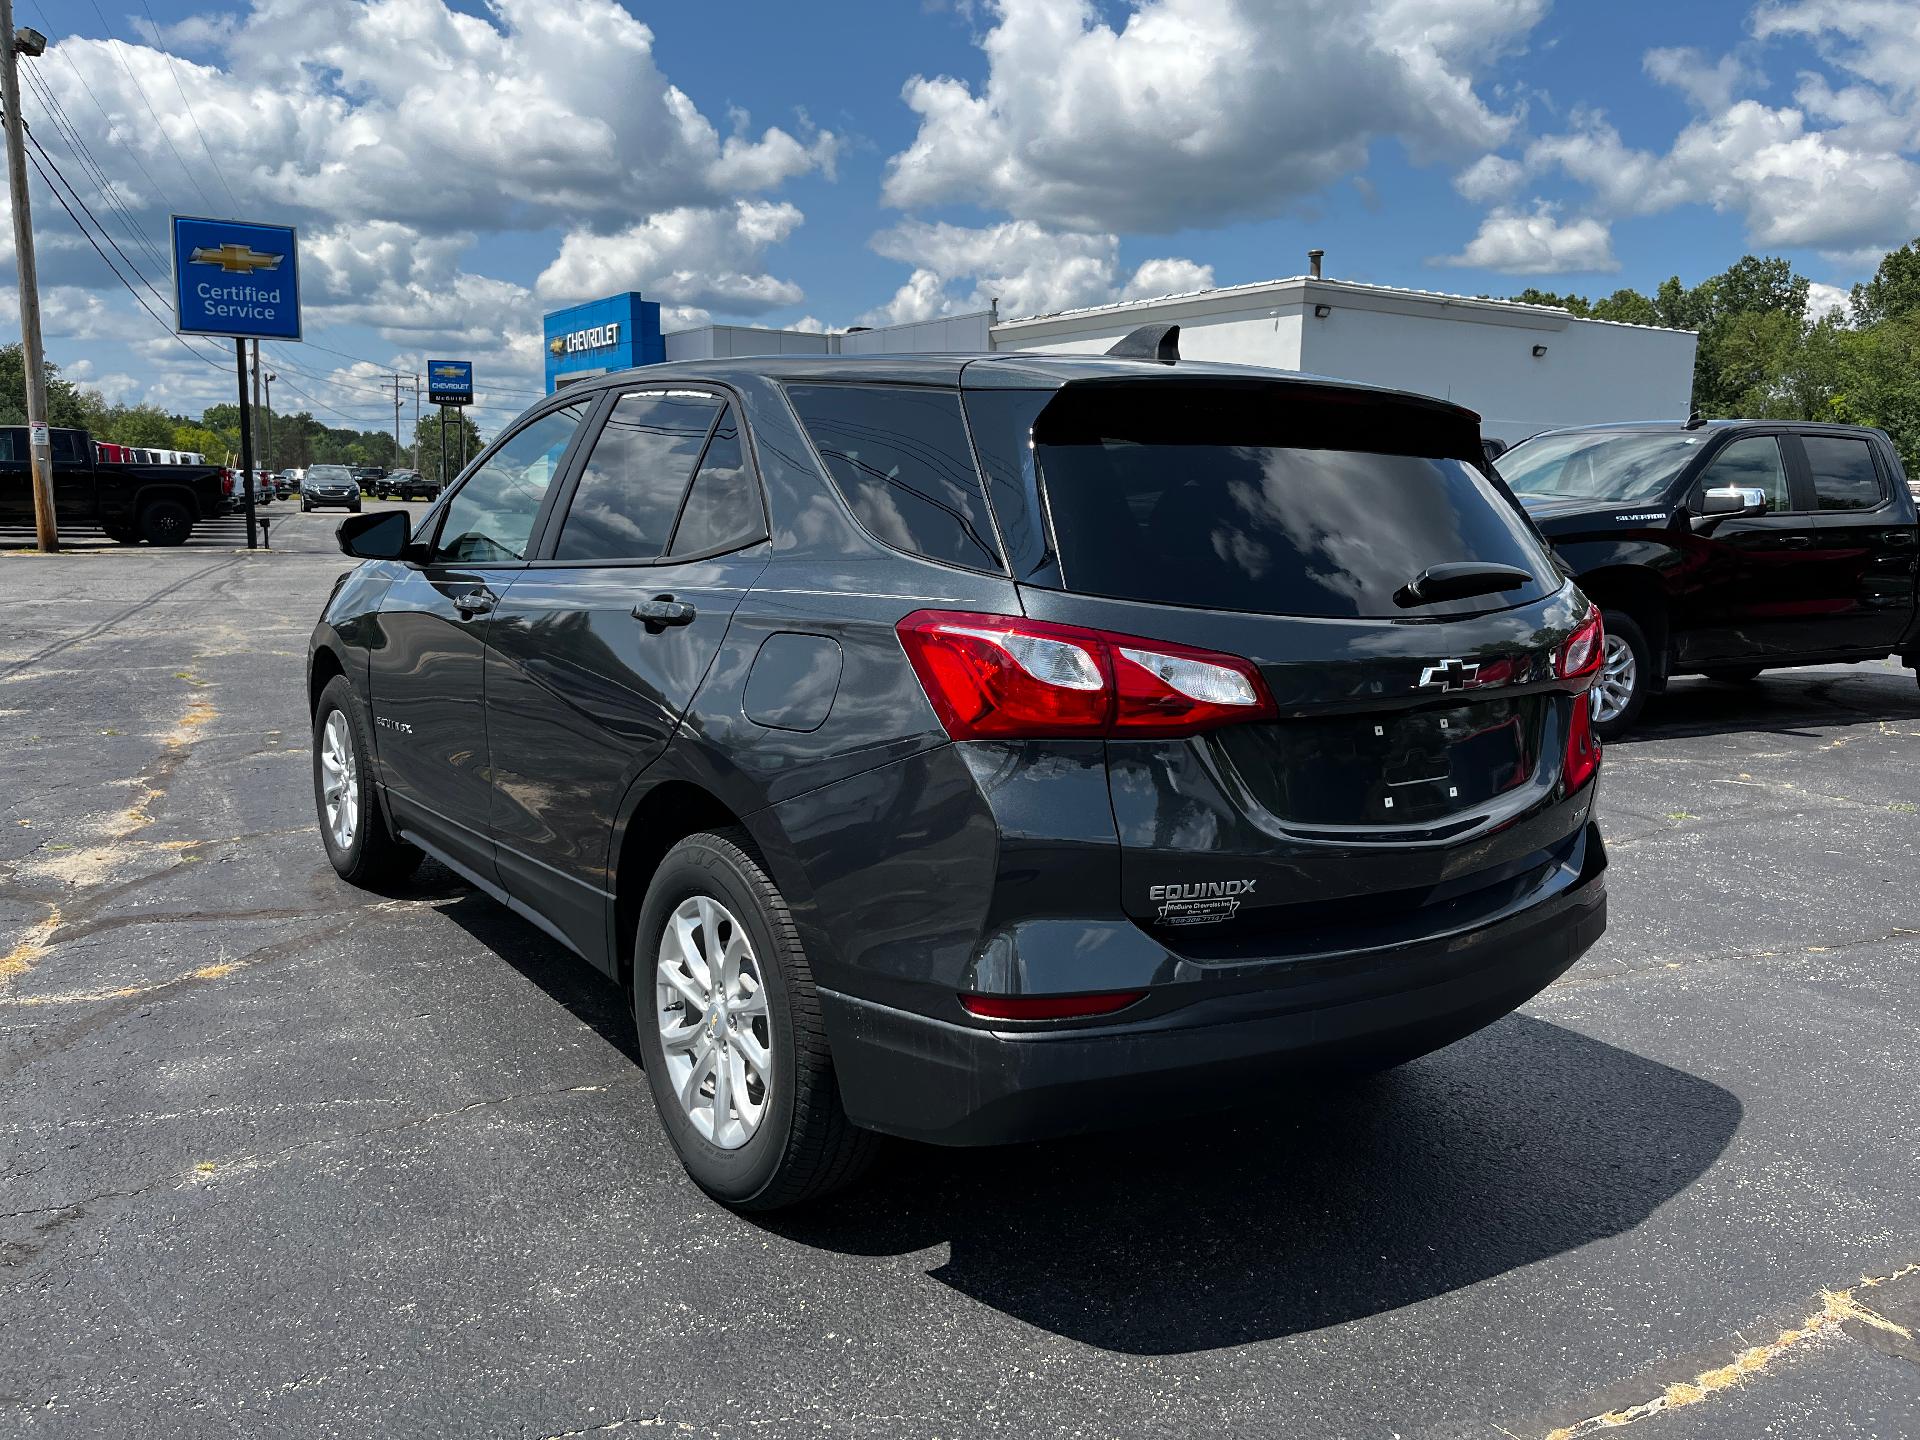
column 980, row 748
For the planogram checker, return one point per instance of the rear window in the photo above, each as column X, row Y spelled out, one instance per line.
column 900, row 456
column 1241, row 500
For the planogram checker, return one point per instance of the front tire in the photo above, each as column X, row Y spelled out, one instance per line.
column 731, row 1035
column 1620, row 689
column 348, row 801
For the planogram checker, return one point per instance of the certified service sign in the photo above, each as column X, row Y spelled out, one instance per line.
column 235, row 278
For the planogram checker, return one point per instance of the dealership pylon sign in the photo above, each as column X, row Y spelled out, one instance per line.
column 234, row 278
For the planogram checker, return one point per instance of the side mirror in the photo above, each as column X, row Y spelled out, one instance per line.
column 380, row 536
column 1730, row 502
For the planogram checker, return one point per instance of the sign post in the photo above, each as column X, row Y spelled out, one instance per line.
column 239, row 281
column 450, row 382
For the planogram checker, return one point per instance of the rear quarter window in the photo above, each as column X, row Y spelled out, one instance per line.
column 901, row 459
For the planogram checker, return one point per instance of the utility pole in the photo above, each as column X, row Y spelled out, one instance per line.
column 416, row 424
column 396, row 416
column 39, row 444
column 266, row 462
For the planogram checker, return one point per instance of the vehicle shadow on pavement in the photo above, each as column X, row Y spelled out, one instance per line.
column 1780, row 702
column 1272, row 1216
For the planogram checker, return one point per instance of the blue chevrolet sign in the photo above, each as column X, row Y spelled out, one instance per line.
column 450, row 382
column 231, row 277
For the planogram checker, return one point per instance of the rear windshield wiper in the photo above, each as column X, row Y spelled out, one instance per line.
column 1457, row 580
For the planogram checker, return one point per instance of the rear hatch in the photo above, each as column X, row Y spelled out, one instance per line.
column 1410, row 770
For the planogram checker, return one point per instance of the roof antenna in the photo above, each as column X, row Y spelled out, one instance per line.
column 1148, row 342
column 1695, row 419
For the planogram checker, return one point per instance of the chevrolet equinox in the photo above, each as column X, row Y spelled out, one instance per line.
column 980, row 748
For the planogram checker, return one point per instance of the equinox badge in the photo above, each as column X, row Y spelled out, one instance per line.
column 1448, row 675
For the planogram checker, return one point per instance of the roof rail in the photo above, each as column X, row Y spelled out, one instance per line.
column 1148, row 342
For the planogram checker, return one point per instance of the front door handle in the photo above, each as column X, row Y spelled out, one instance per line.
column 475, row 602
column 664, row 610
column 1795, row 542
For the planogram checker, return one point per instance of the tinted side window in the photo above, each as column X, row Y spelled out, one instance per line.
column 900, row 457
column 630, row 489
column 491, row 516
column 1750, row 464
column 1843, row 473
column 723, row 507
column 67, row 449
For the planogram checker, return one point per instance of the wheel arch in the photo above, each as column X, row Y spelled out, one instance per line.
column 150, row 494
column 1639, row 593
column 665, row 814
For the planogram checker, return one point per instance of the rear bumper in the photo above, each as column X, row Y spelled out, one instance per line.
column 951, row 1084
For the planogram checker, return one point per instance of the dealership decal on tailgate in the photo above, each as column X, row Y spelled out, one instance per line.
column 1200, row 903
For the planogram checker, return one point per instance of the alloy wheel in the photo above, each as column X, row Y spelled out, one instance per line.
column 711, row 1006
column 339, row 781
column 1613, row 687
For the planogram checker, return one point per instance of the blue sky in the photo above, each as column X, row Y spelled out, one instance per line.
column 457, row 170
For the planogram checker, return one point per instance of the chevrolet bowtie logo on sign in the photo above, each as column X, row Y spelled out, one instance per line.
column 448, row 372
column 558, row 345
column 234, row 258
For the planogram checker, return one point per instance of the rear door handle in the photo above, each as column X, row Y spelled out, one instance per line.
column 664, row 610
column 1795, row 542
column 475, row 602
column 1897, row 537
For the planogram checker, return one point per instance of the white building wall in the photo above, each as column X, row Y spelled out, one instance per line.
column 945, row 335
column 722, row 342
column 1476, row 353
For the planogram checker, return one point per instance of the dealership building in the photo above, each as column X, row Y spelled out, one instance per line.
column 1523, row 368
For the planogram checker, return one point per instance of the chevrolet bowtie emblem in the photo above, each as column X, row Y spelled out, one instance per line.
column 1448, row 675
column 448, row 372
column 558, row 345
column 236, row 258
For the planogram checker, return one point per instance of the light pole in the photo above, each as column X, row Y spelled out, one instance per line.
column 28, row 42
column 267, row 462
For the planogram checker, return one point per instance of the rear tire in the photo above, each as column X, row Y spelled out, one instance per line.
column 780, row 1136
column 1734, row 674
column 346, row 799
column 166, row 522
column 1620, row 689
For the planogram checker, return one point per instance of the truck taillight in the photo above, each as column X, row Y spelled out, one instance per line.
column 1006, row 677
column 226, row 482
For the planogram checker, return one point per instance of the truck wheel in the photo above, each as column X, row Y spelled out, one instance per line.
column 166, row 522
column 1620, row 689
column 352, row 826
column 1733, row 674
column 730, row 1033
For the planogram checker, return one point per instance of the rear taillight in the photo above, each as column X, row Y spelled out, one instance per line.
column 226, row 482
column 1583, row 746
column 1580, row 656
column 1048, row 1007
column 1002, row 677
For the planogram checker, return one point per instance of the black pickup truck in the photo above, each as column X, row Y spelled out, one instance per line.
column 1726, row 547
column 156, row 503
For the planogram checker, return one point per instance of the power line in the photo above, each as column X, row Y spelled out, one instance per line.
column 77, row 144
column 88, row 236
column 73, row 190
column 119, row 48
column 174, row 70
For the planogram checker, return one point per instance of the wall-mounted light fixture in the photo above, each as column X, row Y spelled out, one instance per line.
column 1320, row 312
column 1539, row 351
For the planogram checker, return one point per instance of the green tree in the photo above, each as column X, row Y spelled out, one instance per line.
column 427, row 435
column 1894, row 289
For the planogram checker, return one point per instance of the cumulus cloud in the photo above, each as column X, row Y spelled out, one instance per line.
column 1838, row 170
column 1194, row 112
column 705, row 256
column 1824, row 300
column 1028, row 268
column 1536, row 242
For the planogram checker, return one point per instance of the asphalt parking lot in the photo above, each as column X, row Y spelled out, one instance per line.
column 277, row 1157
